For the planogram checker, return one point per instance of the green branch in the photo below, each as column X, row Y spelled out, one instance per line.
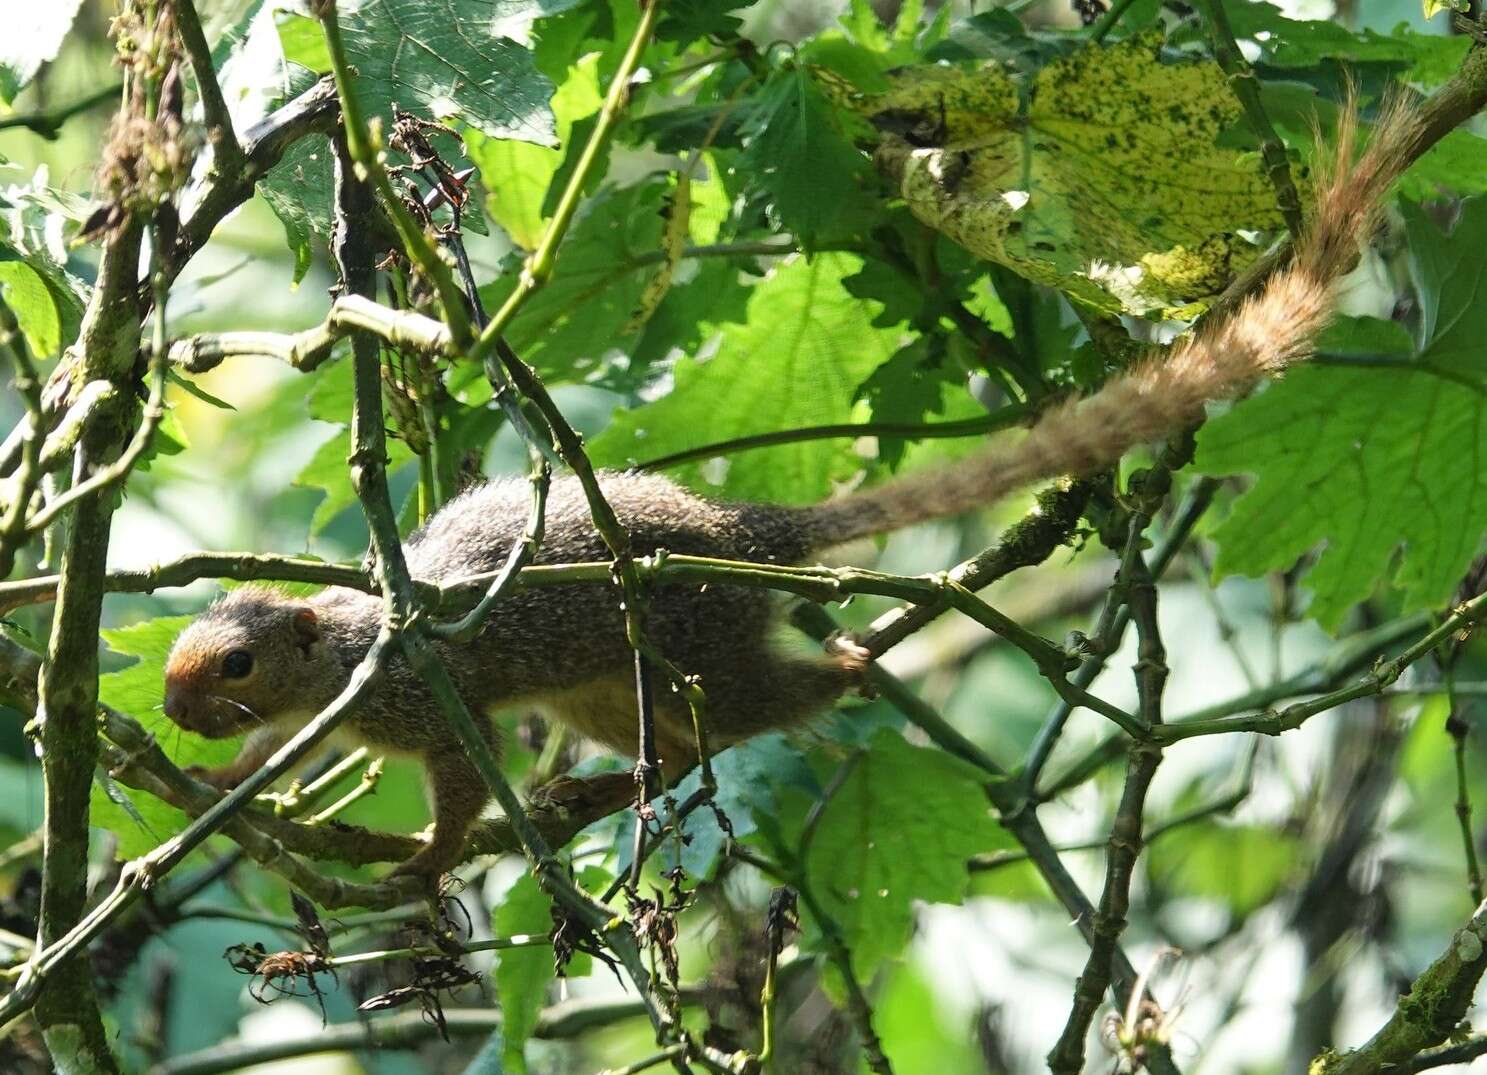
column 48, row 122
column 1246, row 88
column 1427, row 1015
column 1463, row 619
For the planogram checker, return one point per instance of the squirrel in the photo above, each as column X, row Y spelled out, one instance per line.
column 262, row 662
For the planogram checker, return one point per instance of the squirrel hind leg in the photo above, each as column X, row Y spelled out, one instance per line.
column 457, row 793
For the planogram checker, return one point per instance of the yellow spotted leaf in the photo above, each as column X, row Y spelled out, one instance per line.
column 1102, row 176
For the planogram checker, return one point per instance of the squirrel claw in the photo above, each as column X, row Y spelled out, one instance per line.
column 853, row 657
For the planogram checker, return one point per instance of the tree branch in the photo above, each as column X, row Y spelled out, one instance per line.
column 1428, row 1014
column 226, row 153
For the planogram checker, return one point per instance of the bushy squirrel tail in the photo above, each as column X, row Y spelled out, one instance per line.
column 1166, row 390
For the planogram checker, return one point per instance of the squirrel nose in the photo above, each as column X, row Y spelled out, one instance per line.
column 176, row 707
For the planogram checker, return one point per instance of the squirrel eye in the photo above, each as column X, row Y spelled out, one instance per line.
column 237, row 664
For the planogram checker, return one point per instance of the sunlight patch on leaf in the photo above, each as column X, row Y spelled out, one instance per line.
column 33, row 34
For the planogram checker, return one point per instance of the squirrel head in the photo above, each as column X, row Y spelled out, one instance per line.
column 254, row 657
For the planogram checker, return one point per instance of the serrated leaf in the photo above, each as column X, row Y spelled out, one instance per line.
column 522, row 974
column 799, row 153
column 576, row 320
column 684, row 21
column 1364, row 459
column 456, row 60
column 33, row 34
column 519, row 175
column 1104, row 177
column 898, row 830
column 459, row 62
column 796, row 362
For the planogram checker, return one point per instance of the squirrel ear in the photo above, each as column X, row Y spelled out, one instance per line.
column 306, row 627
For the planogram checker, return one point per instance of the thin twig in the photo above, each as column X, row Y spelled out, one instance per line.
column 48, row 122
column 119, row 469
column 1463, row 619
column 1110, row 629
column 226, row 153
column 13, row 528
column 1067, row 1055
column 1003, row 418
column 1246, row 88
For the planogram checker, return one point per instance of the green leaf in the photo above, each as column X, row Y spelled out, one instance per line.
column 36, row 305
column 139, row 691
column 458, row 62
column 299, row 191
column 46, row 299
column 910, row 388
column 571, row 325
column 1103, row 177
column 330, row 400
column 519, row 175
column 1301, row 43
column 922, row 1035
column 796, row 362
column 1366, row 458
column 684, row 21
column 327, row 471
column 691, row 312
column 304, row 43
column 750, row 779
column 799, row 153
column 522, row 975
column 898, row 830
column 1242, row 866
column 1456, row 165
column 33, row 34
column 191, row 388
